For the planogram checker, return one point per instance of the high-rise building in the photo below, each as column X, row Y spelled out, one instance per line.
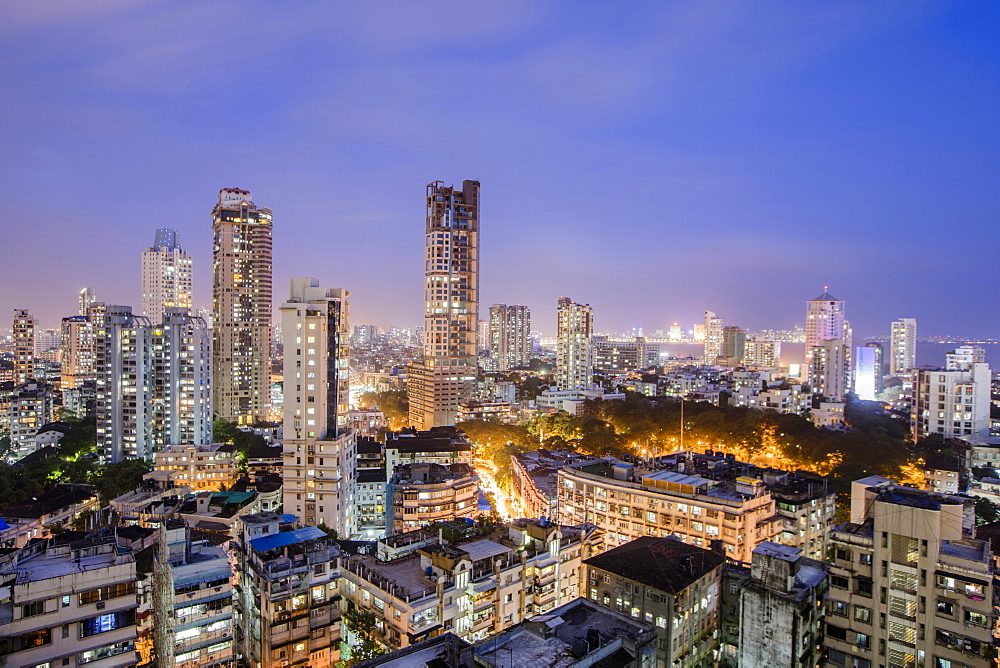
column 867, row 372
column 909, row 585
column 166, row 276
column 510, row 336
column 712, row 337
column 574, row 345
column 828, row 337
column 181, row 409
column 122, row 365
column 241, row 304
column 734, row 345
column 29, row 407
column 762, row 352
column 447, row 375
column 963, row 357
column 903, row 346
column 675, row 333
column 320, row 462
column 24, row 346
column 86, row 300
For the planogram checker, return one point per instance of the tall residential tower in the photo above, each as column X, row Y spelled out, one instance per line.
column 319, row 464
column 24, row 346
column 574, row 345
column 510, row 336
column 713, row 337
column 828, row 346
column 166, row 276
column 447, row 375
column 241, row 303
column 903, row 346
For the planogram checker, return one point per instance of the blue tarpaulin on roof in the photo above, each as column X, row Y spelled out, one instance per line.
column 284, row 538
column 3, row 525
column 287, row 518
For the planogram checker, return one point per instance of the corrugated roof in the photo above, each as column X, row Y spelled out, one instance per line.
column 266, row 543
column 677, row 478
column 483, row 549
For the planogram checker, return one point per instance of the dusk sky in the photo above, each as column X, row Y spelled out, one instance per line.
column 652, row 159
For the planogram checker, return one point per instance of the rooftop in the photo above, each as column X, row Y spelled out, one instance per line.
column 666, row 564
column 59, row 497
column 565, row 636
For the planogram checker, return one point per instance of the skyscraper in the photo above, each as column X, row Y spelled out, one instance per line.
column 828, row 335
column 122, row 365
column 447, row 375
column 86, row 300
column 734, row 343
column 24, row 346
column 574, row 345
column 319, row 450
column 866, row 372
column 166, row 276
column 181, row 380
column 510, row 335
column 241, row 304
column 713, row 337
column 903, row 346
column 77, row 352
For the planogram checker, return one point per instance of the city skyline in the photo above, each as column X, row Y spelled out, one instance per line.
column 780, row 168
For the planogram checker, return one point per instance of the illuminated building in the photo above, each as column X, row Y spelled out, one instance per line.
column 828, row 338
column 416, row 585
column 963, row 357
column 24, row 346
column 675, row 333
column 866, row 372
column 30, row 406
column 122, row 366
column 288, row 598
column 181, row 380
column 426, row 493
column 86, row 299
column 952, row 402
column 447, row 375
column 241, row 308
column 903, row 346
column 763, row 353
column 166, row 276
column 203, row 467
column 574, row 345
column 153, row 383
column 612, row 355
column 510, row 336
column 319, row 470
column 712, row 337
column 909, row 585
column 70, row 598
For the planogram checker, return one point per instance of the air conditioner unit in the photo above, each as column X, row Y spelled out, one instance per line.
column 100, row 605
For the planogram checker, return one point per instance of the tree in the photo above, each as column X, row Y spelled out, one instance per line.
column 393, row 403
column 987, row 512
column 113, row 480
column 361, row 624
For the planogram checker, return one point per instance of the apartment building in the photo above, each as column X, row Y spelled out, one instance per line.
column 69, row 600
column 418, row 586
column 287, row 599
column 953, row 402
column 668, row 583
column 698, row 498
column 781, row 609
column 208, row 467
column 534, row 480
column 420, row 494
column 30, row 407
column 574, row 345
column 193, row 615
column 441, row 445
column 909, row 585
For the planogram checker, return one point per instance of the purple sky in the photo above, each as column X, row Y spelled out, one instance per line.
column 652, row 159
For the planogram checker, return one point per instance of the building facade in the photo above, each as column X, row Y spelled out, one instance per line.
column 510, row 336
column 241, row 308
column 712, row 337
column 574, row 345
column 828, row 338
column 420, row 494
column 903, row 346
column 319, row 451
column 951, row 402
column 124, row 393
column 166, row 276
column 24, row 346
column 447, row 375
column 909, row 585
column 78, row 351
column 181, row 380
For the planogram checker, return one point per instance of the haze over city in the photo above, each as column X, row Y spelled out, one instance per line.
column 653, row 160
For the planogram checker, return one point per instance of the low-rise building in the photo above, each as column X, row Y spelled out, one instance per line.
column 502, row 411
column 426, row 493
column 208, row 467
column 943, row 473
column 193, row 617
column 440, row 445
column 781, row 609
column 662, row 581
column 418, row 586
column 829, row 414
column 534, row 478
column 287, row 602
column 55, row 509
column 69, row 601
column 580, row 633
